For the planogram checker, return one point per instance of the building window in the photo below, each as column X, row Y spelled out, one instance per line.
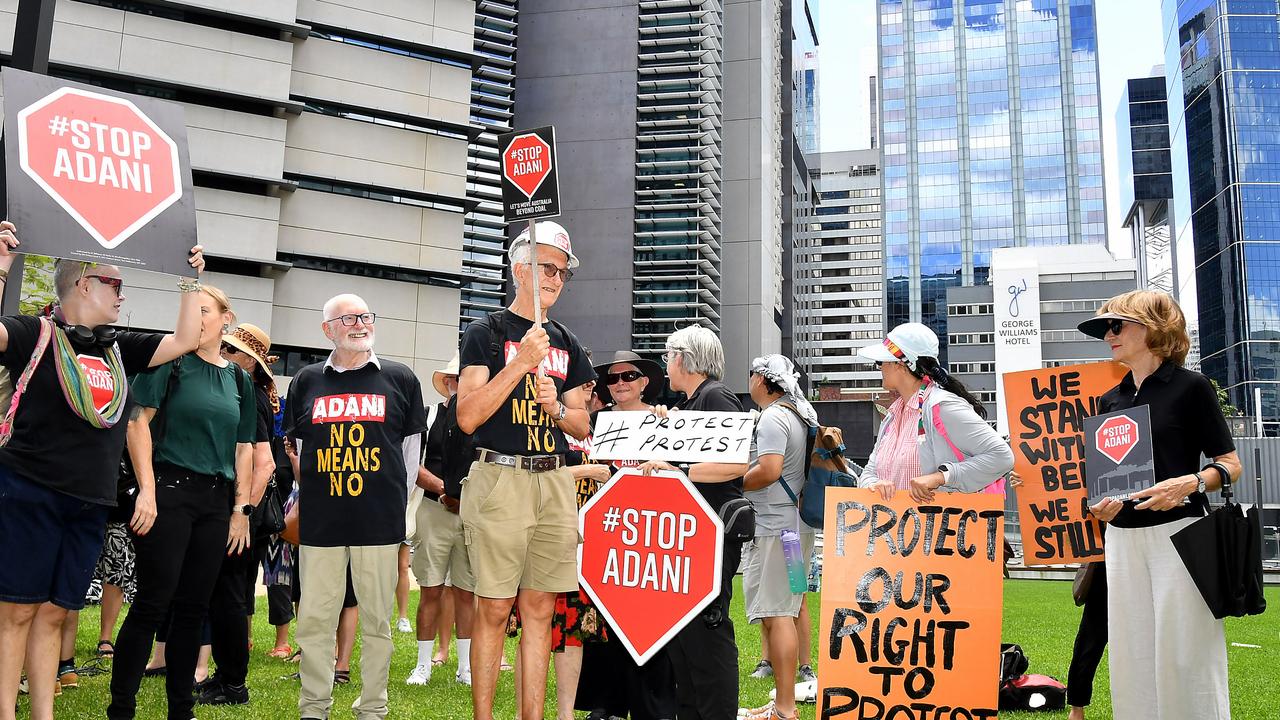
column 973, row 367
column 972, row 338
column 978, row 309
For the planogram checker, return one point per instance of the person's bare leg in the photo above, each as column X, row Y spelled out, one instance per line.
column 568, row 669
column 112, row 601
column 535, row 650
column 402, row 584
column 346, row 637
column 804, row 633
column 202, row 663
column 515, row 670
column 444, row 626
column 43, row 643
column 782, row 646
column 67, row 638
column 486, row 652
column 1076, row 713
column 764, row 643
column 282, row 636
column 15, row 625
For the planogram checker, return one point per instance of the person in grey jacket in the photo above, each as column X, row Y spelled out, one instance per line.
column 935, row 437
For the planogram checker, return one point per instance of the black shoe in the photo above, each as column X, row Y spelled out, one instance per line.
column 220, row 694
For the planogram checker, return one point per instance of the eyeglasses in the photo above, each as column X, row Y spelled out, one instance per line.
column 551, row 270
column 624, row 376
column 1115, row 326
column 230, row 349
column 671, row 354
column 114, row 283
column 350, row 319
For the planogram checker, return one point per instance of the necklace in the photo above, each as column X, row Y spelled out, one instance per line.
column 76, row 388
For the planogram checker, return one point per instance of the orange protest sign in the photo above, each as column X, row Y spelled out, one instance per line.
column 1046, row 410
column 911, row 606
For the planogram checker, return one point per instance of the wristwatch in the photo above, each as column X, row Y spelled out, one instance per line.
column 564, row 410
column 946, row 473
column 245, row 509
column 1199, row 482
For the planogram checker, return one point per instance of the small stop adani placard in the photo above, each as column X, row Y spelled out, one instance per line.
column 650, row 556
column 530, row 180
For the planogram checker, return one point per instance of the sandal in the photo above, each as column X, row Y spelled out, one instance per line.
column 155, row 671
column 436, row 663
column 767, row 712
column 281, row 653
column 106, row 649
column 341, row 677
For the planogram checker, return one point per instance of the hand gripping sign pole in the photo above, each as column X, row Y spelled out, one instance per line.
column 530, row 190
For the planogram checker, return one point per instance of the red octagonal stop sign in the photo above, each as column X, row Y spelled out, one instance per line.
column 650, row 556
column 1116, row 437
column 102, row 383
column 527, row 162
column 99, row 157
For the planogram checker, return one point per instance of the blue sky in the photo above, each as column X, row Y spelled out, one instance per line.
column 1129, row 44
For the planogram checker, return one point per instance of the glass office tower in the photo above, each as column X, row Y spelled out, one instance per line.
column 991, row 138
column 1222, row 58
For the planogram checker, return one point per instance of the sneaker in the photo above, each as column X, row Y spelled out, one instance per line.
column 67, row 676
column 420, row 675
column 404, row 626
column 463, row 677
column 805, row 673
column 220, row 694
column 764, row 669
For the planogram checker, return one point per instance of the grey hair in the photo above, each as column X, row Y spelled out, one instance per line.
column 701, row 349
column 66, row 273
column 520, row 255
column 331, row 306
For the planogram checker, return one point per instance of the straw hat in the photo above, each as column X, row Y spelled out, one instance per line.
column 437, row 377
column 251, row 339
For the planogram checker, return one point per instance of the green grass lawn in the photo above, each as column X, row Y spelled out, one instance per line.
column 1039, row 615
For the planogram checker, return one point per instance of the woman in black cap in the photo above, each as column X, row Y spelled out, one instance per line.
column 1168, row 653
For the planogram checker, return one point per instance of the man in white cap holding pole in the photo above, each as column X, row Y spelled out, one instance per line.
column 519, row 395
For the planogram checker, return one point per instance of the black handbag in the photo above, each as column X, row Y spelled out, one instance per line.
column 1223, row 554
column 127, row 485
column 267, row 517
column 739, row 519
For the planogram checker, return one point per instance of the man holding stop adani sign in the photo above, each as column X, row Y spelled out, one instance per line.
column 60, row 453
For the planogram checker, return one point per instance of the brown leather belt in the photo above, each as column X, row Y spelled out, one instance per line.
column 532, row 463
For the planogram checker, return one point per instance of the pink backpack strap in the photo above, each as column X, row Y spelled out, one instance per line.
column 995, row 487
column 20, row 387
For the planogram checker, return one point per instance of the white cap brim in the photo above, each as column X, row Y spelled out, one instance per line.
column 877, row 353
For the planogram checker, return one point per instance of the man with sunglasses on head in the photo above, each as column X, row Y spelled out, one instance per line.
column 356, row 421
column 60, row 464
column 520, row 393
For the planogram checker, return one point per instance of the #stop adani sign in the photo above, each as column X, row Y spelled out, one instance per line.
column 650, row 556
column 96, row 175
column 530, row 186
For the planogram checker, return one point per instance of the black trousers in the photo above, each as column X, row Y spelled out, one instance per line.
column 1091, row 641
column 229, row 618
column 612, row 681
column 704, row 655
column 177, row 565
column 279, row 605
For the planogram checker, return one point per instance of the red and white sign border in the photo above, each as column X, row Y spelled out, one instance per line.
column 661, row 642
column 125, row 234
column 545, row 175
column 1137, row 437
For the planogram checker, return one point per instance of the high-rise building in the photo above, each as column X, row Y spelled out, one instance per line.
column 1221, row 60
column 328, row 146
column 1146, row 179
column 990, row 138
column 676, row 165
column 875, row 112
column 839, row 274
column 804, row 51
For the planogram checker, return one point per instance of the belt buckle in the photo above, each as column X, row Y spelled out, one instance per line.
column 543, row 464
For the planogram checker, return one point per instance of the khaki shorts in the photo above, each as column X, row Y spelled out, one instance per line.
column 765, row 587
column 521, row 529
column 440, row 553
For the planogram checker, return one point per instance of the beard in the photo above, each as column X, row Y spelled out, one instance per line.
column 349, row 344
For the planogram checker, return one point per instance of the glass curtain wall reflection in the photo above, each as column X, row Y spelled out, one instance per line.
column 991, row 138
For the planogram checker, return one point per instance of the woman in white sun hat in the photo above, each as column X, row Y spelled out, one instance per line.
column 934, row 437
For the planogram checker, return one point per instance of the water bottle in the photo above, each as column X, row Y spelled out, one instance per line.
column 791, row 552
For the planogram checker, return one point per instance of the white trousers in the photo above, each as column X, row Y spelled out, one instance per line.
column 1168, row 653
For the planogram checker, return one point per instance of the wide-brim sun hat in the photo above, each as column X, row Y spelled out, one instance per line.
column 651, row 370
column 907, row 343
column 252, row 340
column 548, row 233
column 1096, row 326
column 437, row 377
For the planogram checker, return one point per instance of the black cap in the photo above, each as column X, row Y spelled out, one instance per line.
column 651, row 370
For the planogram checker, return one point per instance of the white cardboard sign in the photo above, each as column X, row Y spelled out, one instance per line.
column 683, row 436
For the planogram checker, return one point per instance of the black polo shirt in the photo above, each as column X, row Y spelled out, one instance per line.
column 713, row 396
column 1186, row 422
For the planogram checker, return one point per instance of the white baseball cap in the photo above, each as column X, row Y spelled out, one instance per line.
column 549, row 233
column 906, row 343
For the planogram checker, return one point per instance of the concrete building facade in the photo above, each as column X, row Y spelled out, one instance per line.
column 328, row 143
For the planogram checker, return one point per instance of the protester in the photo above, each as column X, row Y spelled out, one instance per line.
column 933, row 405
column 356, row 420
column 519, row 394
column 1168, row 654
column 277, row 554
column 441, row 551
column 58, row 469
column 704, row 653
column 115, row 570
column 779, row 456
column 185, row 522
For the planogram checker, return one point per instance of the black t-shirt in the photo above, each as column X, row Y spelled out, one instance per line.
column 266, row 424
column 518, row 426
column 353, row 484
column 433, row 448
column 713, row 396
column 1186, row 422
column 52, row 445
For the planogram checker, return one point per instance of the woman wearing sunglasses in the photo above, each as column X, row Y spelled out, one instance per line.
column 935, row 436
column 193, row 504
column 1168, row 653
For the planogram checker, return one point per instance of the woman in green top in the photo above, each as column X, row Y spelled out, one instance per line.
column 193, row 492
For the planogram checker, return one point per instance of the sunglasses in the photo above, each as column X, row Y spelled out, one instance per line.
column 114, row 283
column 350, row 319
column 552, row 270
column 624, row 376
column 1115, row 326
column 230, row 349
